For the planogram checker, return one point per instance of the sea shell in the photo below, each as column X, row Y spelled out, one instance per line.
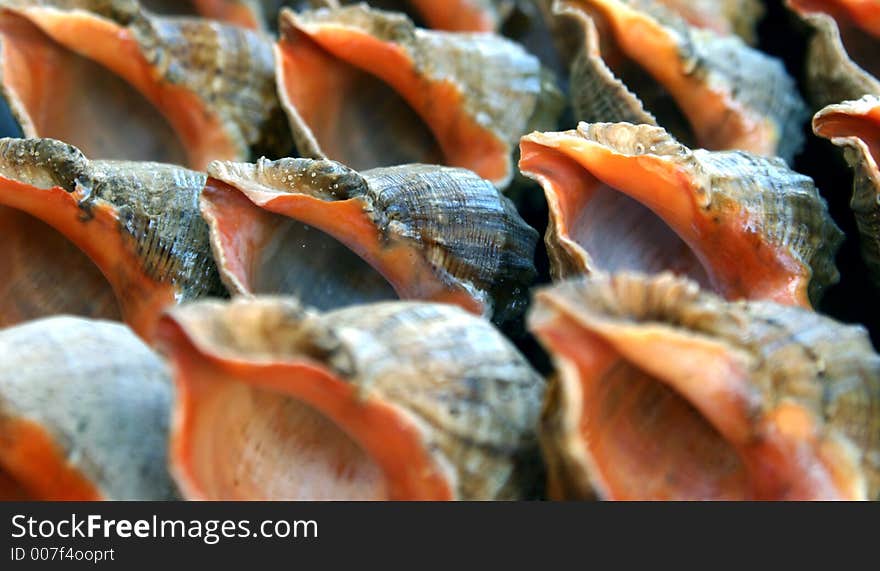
column 843, row 59
column 399, row 400
column 626, row 197
column 84, row 413
column 855, row 126
column 139, row 224
column 667, row 392
column 335, row 237
column 423, row 96
column 187, row 91
column 710, row 91
column 724, row 17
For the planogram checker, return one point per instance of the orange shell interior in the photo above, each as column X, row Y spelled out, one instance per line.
column 49, row 55
column 316, row 64
column 98, row 236
column 32, row 468
column 242, row 223
column 661, row 417
column 715, row 251
column 293, row 430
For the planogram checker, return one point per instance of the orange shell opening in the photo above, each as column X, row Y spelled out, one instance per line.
column 244, row 222
column 646, row 430
column 293, row 430
column 304, row 59
column 98, row 235
column 201, row 134
column 715, row 251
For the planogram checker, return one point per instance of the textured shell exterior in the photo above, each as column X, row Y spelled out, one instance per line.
column 753, row 88
column 832, row 75
column 778, row 207
column 231, row 70
column 156, row 207
column 502, row 88
column 478, row 410
column 469, row 233
column 790, row 355
column 101, row 395
column 860, row 140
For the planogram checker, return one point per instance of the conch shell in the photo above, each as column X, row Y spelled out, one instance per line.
column 399, row 401
column 187, row 91
column 710, row 91
column 423, row 96
column 138, row 223
column 84, row 413
column 843, row 60
column 627, row 197
column 666, row 392
column 335, row 237
column 855, row 126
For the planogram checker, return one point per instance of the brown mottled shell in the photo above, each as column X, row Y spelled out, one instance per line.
column 334, row 237
column 626, row 197
column 843, row 59
column 84, row 413
column 424, row 96
column 855, row 126
column 187, row 90
column 711, row 91
column 400, row 401
column 667, row 392
column 138, row 223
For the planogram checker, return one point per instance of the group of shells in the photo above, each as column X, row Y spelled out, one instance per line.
column 272, row 250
